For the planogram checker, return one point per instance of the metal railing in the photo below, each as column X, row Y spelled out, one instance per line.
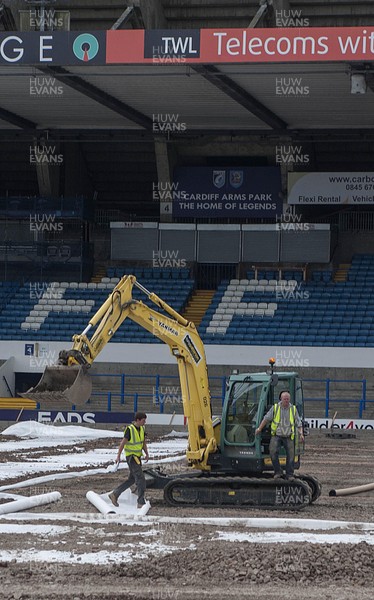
column 165, row 394
column 162, row 393
column 356, row 221
column 349, row 221
column 361, row 394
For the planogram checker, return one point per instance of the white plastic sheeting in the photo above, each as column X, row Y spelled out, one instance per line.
column 29, row 502
column 127, row 504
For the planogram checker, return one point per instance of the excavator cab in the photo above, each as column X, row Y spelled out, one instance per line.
column 242, row 409
column 248, row 398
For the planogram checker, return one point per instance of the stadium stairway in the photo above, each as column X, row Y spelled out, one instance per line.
column 198, row 305
column 100, row 272
column 17, row 403
column 341, row 274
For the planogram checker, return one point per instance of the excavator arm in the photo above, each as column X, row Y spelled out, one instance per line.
column 185, row 345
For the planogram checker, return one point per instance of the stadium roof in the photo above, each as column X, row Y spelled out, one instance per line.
column 208, row 105
column 207, row 98
column 231, row 99
column 185, row 14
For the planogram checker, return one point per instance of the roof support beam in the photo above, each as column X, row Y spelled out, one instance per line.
column 48, row 175
column 132, row 14
column 241, row 96
column 16, row 120
column 152, row 13
column 278, row 12
column 165, row 161
column 202, row 136
column 98, row 95
column 264, row 7
column 6, row 18
column 122, row 20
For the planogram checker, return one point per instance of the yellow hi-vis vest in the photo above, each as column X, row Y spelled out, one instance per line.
column 277, row 419
column 134, row 446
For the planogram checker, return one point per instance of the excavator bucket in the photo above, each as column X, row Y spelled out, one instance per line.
column 61, row 384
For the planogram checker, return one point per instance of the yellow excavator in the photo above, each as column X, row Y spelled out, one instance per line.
column 230, row 464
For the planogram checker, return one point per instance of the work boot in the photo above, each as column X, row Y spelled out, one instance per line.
column 113, row 499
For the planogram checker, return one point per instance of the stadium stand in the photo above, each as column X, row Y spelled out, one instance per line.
column 263, row 311
column 7, row 291
column 288, row 312
column 58, row 310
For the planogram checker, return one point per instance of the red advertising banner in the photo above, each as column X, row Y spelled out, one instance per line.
column 190, row 46
column 307, row 44
column 287, row 45
column 125, row 47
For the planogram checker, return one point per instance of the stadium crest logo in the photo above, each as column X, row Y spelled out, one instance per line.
column 219, row 178
column 85, row 47
column 236, row 179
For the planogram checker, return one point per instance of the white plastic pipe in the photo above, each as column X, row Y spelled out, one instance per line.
column 29, row 502
column 54, row 477
column 100, row 504
column 127, row 504
column 358, row 489
column 9, row 496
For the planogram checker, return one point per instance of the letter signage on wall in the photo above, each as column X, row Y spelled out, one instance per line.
column 71, row 417
column 53, row 48
column 331, row 188
column 292, row 44
column 247, row 192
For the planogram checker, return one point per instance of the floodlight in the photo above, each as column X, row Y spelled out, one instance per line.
column 358, row 83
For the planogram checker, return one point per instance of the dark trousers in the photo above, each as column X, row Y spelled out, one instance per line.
column 136, row 476
column 275, row 444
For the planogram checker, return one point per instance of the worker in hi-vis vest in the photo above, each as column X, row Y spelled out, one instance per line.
column 134, row 444
column 284, row 420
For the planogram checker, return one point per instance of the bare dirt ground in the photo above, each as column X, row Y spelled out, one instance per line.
column 195, row 561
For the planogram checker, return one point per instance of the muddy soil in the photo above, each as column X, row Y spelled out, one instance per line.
column 182, row 561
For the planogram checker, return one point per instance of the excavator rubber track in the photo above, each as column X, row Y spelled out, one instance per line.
column 239, row 492
column 313, row 483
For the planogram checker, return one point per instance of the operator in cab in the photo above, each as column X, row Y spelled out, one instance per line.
column 284, row 419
